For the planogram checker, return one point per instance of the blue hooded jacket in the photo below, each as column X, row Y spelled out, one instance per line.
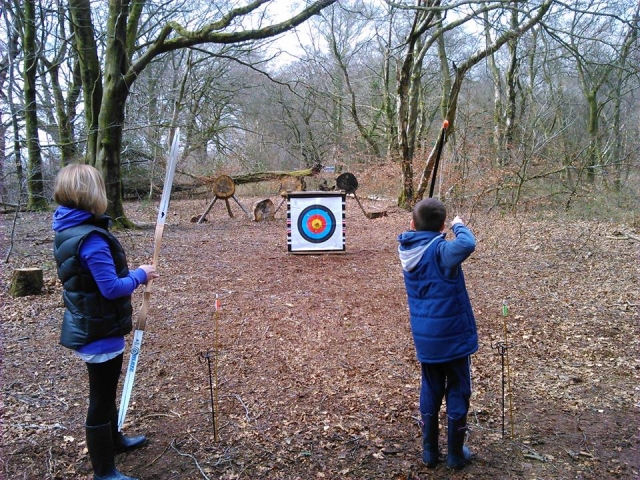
column 442, row 321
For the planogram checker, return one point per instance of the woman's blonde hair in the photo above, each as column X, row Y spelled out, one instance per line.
column 80, row 186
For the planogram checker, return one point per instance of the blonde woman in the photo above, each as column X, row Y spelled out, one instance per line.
column 97, row 288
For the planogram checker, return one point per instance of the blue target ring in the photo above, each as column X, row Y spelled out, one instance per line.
column 316, row 224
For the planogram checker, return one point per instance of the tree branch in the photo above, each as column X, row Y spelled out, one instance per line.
column 212, row 33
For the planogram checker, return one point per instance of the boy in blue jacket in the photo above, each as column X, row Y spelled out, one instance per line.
column 442, row 324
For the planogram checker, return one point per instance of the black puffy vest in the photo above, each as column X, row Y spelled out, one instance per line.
column 88, row 315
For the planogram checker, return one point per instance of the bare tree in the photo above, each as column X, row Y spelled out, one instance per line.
column 505, row 91
column 599, row 37
column 344, row 37
column 123, row 63
column 61, row 67
column 426, row 28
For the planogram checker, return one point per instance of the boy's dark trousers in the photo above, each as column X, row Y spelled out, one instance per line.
column 452, row 381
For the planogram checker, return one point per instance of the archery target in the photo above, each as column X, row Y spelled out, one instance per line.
column 315, row 221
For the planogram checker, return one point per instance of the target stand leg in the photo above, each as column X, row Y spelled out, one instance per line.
column 241, row 207
column 208, row 209
column 226, row 201
column 284, row 199
column 366, row 214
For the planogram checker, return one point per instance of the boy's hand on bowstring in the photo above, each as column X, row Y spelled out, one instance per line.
column 456, row 220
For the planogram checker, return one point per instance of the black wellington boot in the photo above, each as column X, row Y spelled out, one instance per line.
column 122, row 443
column 430, row 450
column 458, row 455
column 100, row 446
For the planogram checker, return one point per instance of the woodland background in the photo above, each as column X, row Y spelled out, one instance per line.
column 542, row 97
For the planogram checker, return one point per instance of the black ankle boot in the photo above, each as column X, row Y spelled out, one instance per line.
column 122, row 443
column 458, row 455
column 430, row 450
column 100, row 446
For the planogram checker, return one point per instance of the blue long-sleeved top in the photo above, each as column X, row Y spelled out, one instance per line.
column 442, row 321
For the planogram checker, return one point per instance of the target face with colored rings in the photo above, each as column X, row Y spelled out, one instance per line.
column 316, row 223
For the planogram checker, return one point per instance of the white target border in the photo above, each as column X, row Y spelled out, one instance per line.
column 299, row 201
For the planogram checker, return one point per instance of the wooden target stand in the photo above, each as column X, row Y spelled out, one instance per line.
column 349, row 183
column 224, row 188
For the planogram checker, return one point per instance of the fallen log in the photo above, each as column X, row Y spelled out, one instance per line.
column 268, row 176
column 199, row 181
column 256, row 177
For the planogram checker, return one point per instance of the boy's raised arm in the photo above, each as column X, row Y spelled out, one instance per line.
column 454, row 252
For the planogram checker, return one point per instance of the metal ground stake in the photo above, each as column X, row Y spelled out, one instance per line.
column 503, row 351
column 213, row 379
column 207, row 356
column 215, row 369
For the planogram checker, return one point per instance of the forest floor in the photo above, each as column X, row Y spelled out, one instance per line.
column 317, row 375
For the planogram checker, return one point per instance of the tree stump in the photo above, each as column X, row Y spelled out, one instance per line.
column 291, row 184
column 264, row 210
column 26, row 281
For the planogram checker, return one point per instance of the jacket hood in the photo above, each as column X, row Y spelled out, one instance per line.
column 65, row 217
column 412, row 246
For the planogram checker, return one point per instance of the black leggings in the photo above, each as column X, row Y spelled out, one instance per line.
column 103, row 383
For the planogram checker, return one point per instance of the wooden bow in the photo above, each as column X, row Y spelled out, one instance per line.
column 441, row 141
column 136, row 346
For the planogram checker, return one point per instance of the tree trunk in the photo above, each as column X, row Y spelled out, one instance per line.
column 12, row 52
column 402, row 117
column 66, row 140
column 445, row 72
column 35, row 184
column 388, row 106
column 5, row 65
column 617, row 151
column 65, row 109
column 511, row 79
column 593, row 150
column 498, row 94
column 112, row 110
column 90, row 73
